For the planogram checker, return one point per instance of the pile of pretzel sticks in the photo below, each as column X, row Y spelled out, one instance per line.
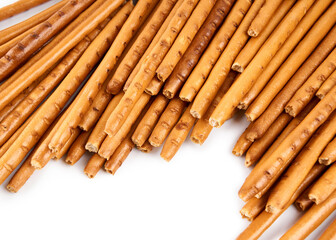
column 108, row 76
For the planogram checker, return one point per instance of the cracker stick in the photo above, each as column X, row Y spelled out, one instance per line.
column 98, row 135
column 154, row 87
column 77, row 149
column 221, row 69
column 311, row 219
column 246, row 80
column 330, row 232
column 303, row 203
column 253, row 207
column 178, row 135
column 18, row 7
column 263, row 18
column 242, row 144
column 152, row 26
column 167, row 121
column 146, row 147
column 293, row 62
column 148, row 67
column 328, row 155
column 148, row 122
column 184, row 39
column 324, row 186
column 270, row 169
column 196, row 48
column 326, row 86
column 254, row 44
column 264, row 220
column 94, row 165
column 279, row 102
column 201, row 71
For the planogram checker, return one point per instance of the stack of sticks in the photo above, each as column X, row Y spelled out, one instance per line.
column 108, row 76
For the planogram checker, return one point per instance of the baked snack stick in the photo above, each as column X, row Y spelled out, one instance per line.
column 330, row 232
column 242, row 143
column 77, row 149
column 326, row 86
column 303, row 203
column 94, row 165
column 154, row 87
column 328, row 155
column 146, row 147
column 254, row 207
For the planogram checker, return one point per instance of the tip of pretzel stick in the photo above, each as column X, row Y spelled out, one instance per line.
column 11, row 189
column 250, row 117
column 36, row 164
column 248, row 162
column 242, row 106
column 89, row 175
column 313, row 199
column 320, row 96
column 91, row 148
column 68, row 161
column 251, row 136
column 271, row 209
column 168, row 94
column 153, row 143
column 195, row 114
column 185, row 99
column 214, row 123
column 195, row 140
column 246, row 215
column 290, row 111
column 237, row 67
column 252, row 33
column 237, row 152
column 324, row 161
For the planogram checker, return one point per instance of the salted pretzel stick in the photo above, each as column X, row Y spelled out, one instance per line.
column 160, row 13
column 94, row 165
column 197, row 47
column 263, row 18
column 264, row 220
column 154, row 87
column 202, row 127
column 254, row 44
column 293, row 62
column 324, row 186
column 259, row 147
column 148, row 122
column 201, row 71
column 148, row 68
column 300, row 167
column 311, row 219
column 309, row 88
column 184, row 39
column 18, row 7
column 303, row 203
column 77, row 149
column 246, row 80
column 279, row 102
column 242, row 144
column 270, row 169
column 330, row 232
column 75, row 133
column 178, row 135
column 98, row 135
column 326, row 86
column 253, row 207
column 223, row 65
column 328, row 155
column 146, row 147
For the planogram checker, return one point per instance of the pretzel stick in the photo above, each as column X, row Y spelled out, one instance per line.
column 328, row 155
column 196, row 48
column 98, row 135
column 94, row 165
column 201, row 71
column 311, row 219
column 246, row 80
column 326, row 86
column 148, row 68
column 148, row 122
column 303, row 203
column 139, row 47
column 254, row 44
column 221, row 69
column 154, row 87
column 254, row 207
column 242, row 144
column 324, row 186
column 330, row 232
column 298, row 56
column 68, row 144
column 77, row 149
column 146, row 147
column 184, row 39
column 279, row 102
column 178, row 135
column 264, row 220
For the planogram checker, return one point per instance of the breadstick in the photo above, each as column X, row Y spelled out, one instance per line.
column 254, row 44
column 146, row 147
column 18, row 7
column 330, row 232
column 178, row 135
column 148, row 122
column 303, row 203
column 253, row 207
column 94, row 165
column 140, row 45
column 328, row 155
column 196, row 48
column 270, row 169
column 324, row 186
column 263, row 18
column 148, row 68
column 293, row 62
column 243, row 144
column 223, row 66
column 77, row 149
column 98, row 135
column 326, row 86
column 154, row 87
column 311, row 219
column 279, row 102
column 201, row 71
column 246, row 80
column 184, row 39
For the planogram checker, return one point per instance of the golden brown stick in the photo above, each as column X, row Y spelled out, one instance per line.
column 265, row 219
column 221, row 69
column 330, row 232
column 76, row 132
column 98, row 135
column 196, row 48
column 184, row 39
column 146, row 147
column 243, row 144
column 254, row 44
column 253, row 207
column 166, row 122
column 303, row 203
column 148, row 68
column 178, row 135
column 201, row 71
column 263, row 18
column 148, row 122
column 94, row 165
column 140, row 45
column 324, row 187
column 77, row 149
column 328, row 155
column 326, row 86
column 154, row 87
column 278, row 104
column 311, row 219
column 246, row 80
column 270, row 169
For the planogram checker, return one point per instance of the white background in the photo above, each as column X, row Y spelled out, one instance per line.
column 192, row 197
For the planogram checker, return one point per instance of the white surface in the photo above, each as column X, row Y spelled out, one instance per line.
column 192, row 197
